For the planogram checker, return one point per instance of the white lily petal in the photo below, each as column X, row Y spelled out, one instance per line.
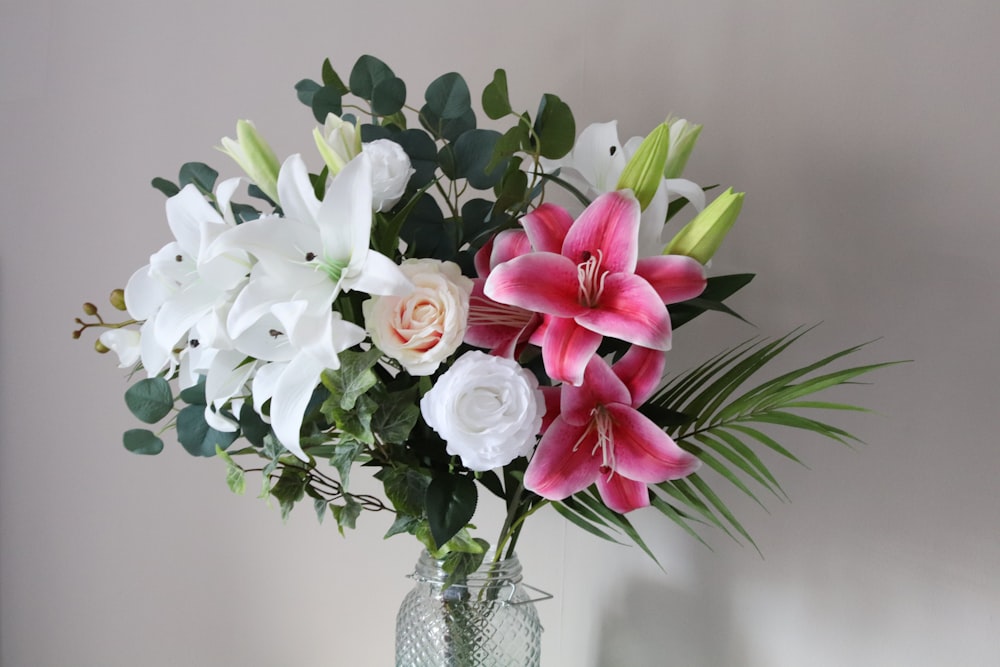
column 651, row 224
column 266, row 340
column 185, row 212
column 227, row 376
column 144, row 294
column 154, row 356
column 224, row 195
column 182, row 311
column 218, row 421
column 345, row 217
column 687, row 189
column 598, row 155
column 379, row 276
column 295, row 190
column 125, row 343
column 292, row 392
column 264, row 382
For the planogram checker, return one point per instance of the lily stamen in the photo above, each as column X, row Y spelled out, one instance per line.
column 591, row 278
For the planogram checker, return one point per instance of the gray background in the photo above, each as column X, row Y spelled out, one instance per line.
column 866, row 136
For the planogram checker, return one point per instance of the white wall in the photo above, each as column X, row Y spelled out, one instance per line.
column 865, row 134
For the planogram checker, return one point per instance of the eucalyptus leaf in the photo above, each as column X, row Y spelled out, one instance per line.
column 200, row 174
column 496, row 101
column 166, row 187
column 473, row 152
column 367, row 73
column 150, row 399
column 196, row 436
column 326, row 101
column 142, row 441
column 554, row 127
column 305, row 90
column 332, row 79
column 448, row 97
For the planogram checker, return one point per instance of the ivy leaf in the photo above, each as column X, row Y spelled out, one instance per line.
column 289, row 489
column 406, row 489
column 235, row 476
column 396, row 415
column 352, row 379
column 150, row 400
column 403, row 524
column 196, row 436
column 344, row 455
column 346, row 514
column 451, row 503
column 142, row 441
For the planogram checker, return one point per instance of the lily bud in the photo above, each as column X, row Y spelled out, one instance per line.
column 117, row 299
column 89, row 308
column 338, row 142
column 683, row 136
column 100, row 347
column 254, row 156
column 701, row 237
column 643, row 173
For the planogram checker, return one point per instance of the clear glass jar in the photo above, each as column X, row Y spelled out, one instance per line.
column 487, row 620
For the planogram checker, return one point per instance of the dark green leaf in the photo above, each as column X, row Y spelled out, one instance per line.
column 142, row 441
column 332, row 79
column 406, row 489
column 428, row 234
column 325, row 101
column 420, row 148
column 345, row 453
column 195, row 394
column 367, row 73
column 473, row 153
column 395, row 417
column 555, row 127
column 305, row 90
column 196, row 436
column 289, row 489
column 448, row 129
column 252, row 426
column 402, row 524
column 346, row 514
column 496, row 101
column 576, row 519
column 451, row 502
column 200, row 174
column 166, row 187
column 448, row 97
column 150, row 400
column 388, row 96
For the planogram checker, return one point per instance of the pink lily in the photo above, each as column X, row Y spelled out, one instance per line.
column 600, row 436
column 586, row 278
column 503, row 329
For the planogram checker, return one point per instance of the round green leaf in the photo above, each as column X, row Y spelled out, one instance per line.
column 445, row 128
column 367, row 73
column 326, row 100
column 388, row 96
column 422, row 153
column 555, row 127
column 142, row 441
column 496, row 102
column 448, row 96
column 305, row 89
column 196, row 436
column 473, row 154
column 150, row 400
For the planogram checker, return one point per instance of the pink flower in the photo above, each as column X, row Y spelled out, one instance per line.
column 599, row 435
column 586, row 278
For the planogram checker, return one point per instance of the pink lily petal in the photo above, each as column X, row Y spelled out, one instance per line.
column 609, row 225
column 509, row 244
column 629, row 310
column 481, row 260
column 641, row 369
column 675, row 278
column 563, row 464
column 622, row 494
column 552, row 399
column 500, row 328
column 600, row 386
column 547, row 226
column 567, row 349
column 541, row 281
column 643, row 452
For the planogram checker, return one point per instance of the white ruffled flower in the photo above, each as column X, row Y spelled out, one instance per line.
column 391, row 171
column 488, row 410
column 424, row 327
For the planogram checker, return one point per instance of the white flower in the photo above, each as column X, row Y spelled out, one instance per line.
column 423, row 328
column 488, row 410
column 391, row 171
column 124, row 343
column 338, row 142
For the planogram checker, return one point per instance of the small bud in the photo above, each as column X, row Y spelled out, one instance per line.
column 89, row 308
column 644, row 172
column 254, row 156
column 338, row 142
column 683, row 136
column 117, row 299
column 76, row 334
column 701, row 237
column 100, row 347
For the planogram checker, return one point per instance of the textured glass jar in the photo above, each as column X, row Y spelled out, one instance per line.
column 488, row 620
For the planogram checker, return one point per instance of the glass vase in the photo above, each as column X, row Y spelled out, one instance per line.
column 488, row 619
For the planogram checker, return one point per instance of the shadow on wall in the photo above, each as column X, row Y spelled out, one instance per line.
column 652, row 624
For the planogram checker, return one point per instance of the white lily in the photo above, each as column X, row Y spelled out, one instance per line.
column 189, row 278
column 595, row 165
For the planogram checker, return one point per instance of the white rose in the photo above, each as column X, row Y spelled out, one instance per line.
column 423, row 328
column 391, row 172
column 488, row 410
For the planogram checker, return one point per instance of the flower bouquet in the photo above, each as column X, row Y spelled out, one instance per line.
column 461, row 310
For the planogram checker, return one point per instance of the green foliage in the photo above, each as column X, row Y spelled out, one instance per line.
column 451, row 502
column 196, row 436
column 554, row 127
column 142, row 441
column 150, row 400
column 496, row 101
